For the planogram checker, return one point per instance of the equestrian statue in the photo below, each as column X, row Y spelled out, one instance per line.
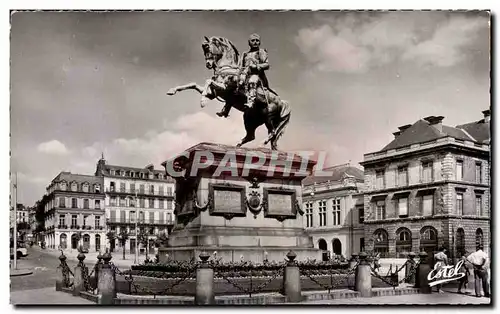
column 241, row 83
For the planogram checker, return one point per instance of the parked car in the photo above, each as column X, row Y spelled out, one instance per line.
column 22, row 251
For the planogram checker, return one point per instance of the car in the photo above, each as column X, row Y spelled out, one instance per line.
column 22, row 251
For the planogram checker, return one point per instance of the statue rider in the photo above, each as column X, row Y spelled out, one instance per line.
column 253, row 78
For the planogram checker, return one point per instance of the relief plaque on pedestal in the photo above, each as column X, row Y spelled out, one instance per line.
column 280, row 203
column 228, row 200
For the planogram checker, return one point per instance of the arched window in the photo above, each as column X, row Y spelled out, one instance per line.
column 62, row 186
column 85, row 187
column 403, row 242
column 337, row 247
column 381, row 242
column 74, row 186
column 428, row 240
column 479, row 238
column 460, row 242
column 97, row 242
column 323, row 247
column 86, row 242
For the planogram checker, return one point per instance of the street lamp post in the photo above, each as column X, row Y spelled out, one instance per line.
column 136, row 257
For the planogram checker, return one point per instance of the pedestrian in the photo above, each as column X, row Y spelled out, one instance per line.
column 479, row 260
column 465, row 270
column 441, row 260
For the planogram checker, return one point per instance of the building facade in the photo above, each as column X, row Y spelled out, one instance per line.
column 137, row 201
column 333, row 207
column 74, row 212
column 429, row 188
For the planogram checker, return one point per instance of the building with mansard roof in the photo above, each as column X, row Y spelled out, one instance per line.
column 333, row 206
column 74, row 212
column 137, row 200
column 429, row 187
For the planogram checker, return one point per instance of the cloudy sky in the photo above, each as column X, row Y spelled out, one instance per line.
column 87, row 83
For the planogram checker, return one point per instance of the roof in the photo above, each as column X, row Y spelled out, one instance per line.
column 422, row 131
column 78, row 178
column 337, row 172
column 479, row 130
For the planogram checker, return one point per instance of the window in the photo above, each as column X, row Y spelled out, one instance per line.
column 160, row 204
column 122, row 187
column 403, row 207
column 151, row 217
column 362, row 244
column 152, row 189
column 309, row 215
column 63, row 186
column 142, row 202
column 151, row 202
column 402, row 179
column 380, row 210
column 169, row 191
column 97, row 204
column 74, row 220
column 428, row 205
column 479, row 205
column 460, row 170
column 86, row 203
column 62, row 202
column 74, row 203
column 97, row 221
column 169, row 204
column 117, row 173
column 112, row 187
column 460, row 204
column 132, row 187
column 169, row 218
column 97, row 188
column 85, row 220
column 478, row 172
column 322, row 213
column 74, row 187
column 380, row 181
column 336, row 211
column 141, row 216
column 85, row 187
column 361, row 215
column 123, row 201
column 131, row 202
column 62, row 220
column 479, row 238
column 161, row 190
column 141, row 188
column 427, row 173
column 112, row 201
column 132, row 216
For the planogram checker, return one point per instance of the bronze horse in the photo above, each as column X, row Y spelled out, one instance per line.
column 223, row 58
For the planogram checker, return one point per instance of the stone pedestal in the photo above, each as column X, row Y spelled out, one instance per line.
column 364, row 277
column 240, row 203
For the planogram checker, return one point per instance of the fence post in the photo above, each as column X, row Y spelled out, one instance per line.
column 60, row 273
column 204, row 282
column 106, row 283
column 364, row 276
column 423, row 270
column 410, row 267
column 293, row 292
column 78, row 281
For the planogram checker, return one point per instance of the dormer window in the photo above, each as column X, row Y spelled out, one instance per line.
column 85, row 187
column 62, row 186
column 97, row 188
column 117, row 172
column 74, row 187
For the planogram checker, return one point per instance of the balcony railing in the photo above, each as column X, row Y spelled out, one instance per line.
column 139, row 222
column 139, row 192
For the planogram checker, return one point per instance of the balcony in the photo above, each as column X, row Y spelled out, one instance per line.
column 139, row 192
column 119, row 221
column 62, row 227
column 77, row 227
column 85, row 227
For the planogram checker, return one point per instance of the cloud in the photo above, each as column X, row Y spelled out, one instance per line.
column 53, row 147
column 355, row 46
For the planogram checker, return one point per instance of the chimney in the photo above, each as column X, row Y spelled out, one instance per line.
column 436, row 122
column 396, row 134
column 487, row 116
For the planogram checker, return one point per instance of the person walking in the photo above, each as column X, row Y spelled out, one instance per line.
column 479, row 260
column 441, row 260
column 463, row 269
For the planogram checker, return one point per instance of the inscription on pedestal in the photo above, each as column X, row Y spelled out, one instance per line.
column 280, row 203
column 228, row 200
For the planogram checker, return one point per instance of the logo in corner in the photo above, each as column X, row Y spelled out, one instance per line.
column 441, row 274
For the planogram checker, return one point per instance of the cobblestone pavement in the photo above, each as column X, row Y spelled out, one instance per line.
column 45, row 296
column 422, row 299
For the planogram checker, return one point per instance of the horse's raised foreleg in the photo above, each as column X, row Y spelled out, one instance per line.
column 194, row 86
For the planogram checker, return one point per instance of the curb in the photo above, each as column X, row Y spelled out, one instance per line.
column 20, row 272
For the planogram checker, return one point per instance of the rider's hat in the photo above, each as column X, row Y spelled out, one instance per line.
column 254, row 36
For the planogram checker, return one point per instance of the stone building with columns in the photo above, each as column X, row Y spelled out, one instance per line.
column 74, row 212
column 429, row 187
column 136, row 198
column 333, row 207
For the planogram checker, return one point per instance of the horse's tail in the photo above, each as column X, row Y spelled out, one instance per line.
column 284, row 115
